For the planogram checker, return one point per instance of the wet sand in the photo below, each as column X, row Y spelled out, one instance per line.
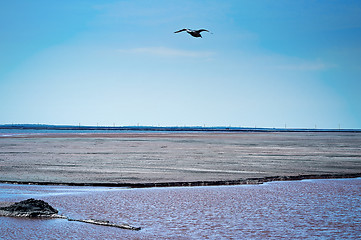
column 178, row 158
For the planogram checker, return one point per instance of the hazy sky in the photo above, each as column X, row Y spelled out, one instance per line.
column 266, row 63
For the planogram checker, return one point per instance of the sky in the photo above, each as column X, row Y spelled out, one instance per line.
column 293, row 64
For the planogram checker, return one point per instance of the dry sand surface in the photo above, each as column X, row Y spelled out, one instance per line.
column 176, row 156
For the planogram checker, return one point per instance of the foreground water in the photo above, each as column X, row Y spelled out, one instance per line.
column 309, row 209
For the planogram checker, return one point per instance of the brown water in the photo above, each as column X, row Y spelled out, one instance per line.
column 310, row 209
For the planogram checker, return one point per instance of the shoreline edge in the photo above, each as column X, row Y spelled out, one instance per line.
column 253, row 181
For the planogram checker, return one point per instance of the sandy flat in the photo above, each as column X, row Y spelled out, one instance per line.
column 175, row 157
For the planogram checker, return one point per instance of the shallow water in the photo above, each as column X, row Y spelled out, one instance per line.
column 310, row 209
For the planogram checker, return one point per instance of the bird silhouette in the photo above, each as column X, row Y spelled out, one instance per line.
column 194, row 33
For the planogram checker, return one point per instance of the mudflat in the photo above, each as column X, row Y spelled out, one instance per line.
column 158, row 157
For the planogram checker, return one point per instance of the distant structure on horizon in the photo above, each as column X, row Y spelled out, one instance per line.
column 194, row 33
column 170, row 128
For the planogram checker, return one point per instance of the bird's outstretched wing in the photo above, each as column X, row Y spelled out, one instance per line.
column 184, row 29
column 202, row 30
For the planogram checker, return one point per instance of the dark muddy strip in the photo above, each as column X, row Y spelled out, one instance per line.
column 197, row 183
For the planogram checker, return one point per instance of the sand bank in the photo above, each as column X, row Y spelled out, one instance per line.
column 178, row 159
column 197, row 183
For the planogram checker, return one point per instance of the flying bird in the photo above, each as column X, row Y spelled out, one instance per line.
column 194, row 33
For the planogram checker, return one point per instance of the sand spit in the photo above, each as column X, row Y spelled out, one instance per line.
column 197, row 183
column 33, row 208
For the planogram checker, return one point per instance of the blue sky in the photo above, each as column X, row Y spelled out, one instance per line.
column 264, row 64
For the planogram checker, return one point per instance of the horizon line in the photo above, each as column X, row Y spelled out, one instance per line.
column 169, row 128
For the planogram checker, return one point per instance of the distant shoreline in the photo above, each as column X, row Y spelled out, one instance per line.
column 167, row 129
column 253, row 181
